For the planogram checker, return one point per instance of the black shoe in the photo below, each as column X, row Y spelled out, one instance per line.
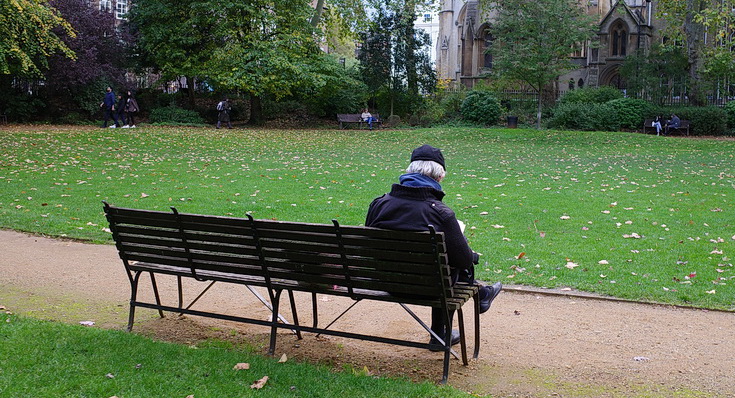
column 437, row 346
column 492, row 292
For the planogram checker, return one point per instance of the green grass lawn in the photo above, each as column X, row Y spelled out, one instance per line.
column 50, row 359
column 629, row 215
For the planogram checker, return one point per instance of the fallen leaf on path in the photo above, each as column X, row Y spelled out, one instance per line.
column 283, row 359
column 260, row 383
column 641, row 359
column 86, row 323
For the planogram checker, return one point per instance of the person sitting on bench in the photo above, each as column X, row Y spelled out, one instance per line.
column 413, row 205
column 367, row 118
column 673, row 123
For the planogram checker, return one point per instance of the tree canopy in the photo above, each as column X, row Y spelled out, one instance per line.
column 27, row 28
column 532, row 40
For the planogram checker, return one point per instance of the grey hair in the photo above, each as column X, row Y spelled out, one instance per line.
column 428, row 168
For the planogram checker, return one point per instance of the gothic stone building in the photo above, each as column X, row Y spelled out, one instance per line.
column 624, row 26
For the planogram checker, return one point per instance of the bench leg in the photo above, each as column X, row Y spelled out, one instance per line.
column 314, row 313
column 462, row 341
column 293, row 312
column 155, row 293
column 133, row 295
column 476, row 354
column 274, row 322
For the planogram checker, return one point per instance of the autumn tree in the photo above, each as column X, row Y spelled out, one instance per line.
column 28, row 37
column 533, row 40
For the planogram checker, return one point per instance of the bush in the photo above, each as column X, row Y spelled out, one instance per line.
column 704, row 120
column 730, row 111
column 24, row 107
column 481, row 107
column 174, row 114
column 584, row 116
column 594, row 95
column 630, row 112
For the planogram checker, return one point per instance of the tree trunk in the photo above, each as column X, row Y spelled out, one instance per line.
column 256, row 111
column 694, row 32
column 190, row 89
column 318, row 10
column 538, row 107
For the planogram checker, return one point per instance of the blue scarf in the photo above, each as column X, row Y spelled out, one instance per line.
column 417, row 180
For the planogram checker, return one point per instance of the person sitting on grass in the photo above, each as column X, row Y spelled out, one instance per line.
column 415, row 203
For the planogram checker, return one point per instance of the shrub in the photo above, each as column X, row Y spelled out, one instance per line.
column 596, row 95
column 583, row 116
column 730, row 111
column 481, row 107
column 630, row 112
column 705, row 120
column 174, row 114
column 24, row 107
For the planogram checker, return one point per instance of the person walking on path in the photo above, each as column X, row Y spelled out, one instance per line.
column 223, row 115
column 415, row 203
column 108, row 107
column 131, row 108
column 120, row 111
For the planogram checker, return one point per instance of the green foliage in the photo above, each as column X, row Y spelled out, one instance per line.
column 28, row 37
column 629, row 112
column 24, row 107
column 584, row 116
column 88, row 97
column 532, row 40
column 730, row 111
column 704, row 120
column 481, row 107
column 655, row 73
column 174, row 114
column 591, row 95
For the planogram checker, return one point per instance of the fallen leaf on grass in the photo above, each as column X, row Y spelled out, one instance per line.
column 603, row 262
column 564, row 218
column 144, row 195
column 283, row 359
column 242, row 366
column 520, row 256
column 571, row 265
column 713, row 291
column 260, row 383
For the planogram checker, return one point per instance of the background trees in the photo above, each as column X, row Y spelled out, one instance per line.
column 29, row 37
column 533, row 40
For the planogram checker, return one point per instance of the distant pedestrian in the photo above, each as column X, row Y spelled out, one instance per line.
column 131, row 108
column 120, row 111
column 223, row 113
column 108, row 107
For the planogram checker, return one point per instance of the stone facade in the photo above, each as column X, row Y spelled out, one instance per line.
column 624, row 26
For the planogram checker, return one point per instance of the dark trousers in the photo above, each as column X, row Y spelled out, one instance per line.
column 131, row 118
column 109, row 114
column 437, row 316
column 121, row 118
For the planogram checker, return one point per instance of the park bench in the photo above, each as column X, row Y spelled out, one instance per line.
column 362, row 263
column 345, row 119
column 648, row 126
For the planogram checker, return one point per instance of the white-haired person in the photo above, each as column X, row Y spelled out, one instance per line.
column 415, row 203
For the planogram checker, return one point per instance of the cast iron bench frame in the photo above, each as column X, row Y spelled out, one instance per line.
column 406, row 268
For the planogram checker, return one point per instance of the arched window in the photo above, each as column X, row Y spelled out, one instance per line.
column 619, row 41
column 488, row 60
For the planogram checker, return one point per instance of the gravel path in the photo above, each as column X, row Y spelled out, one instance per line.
column 533, row 345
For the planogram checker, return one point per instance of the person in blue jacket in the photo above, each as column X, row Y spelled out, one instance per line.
column 415, row 203
column 108, row 107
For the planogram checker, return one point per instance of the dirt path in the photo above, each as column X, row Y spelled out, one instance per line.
column 533, row 345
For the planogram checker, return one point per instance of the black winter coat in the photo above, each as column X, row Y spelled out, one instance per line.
column 414, row 209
